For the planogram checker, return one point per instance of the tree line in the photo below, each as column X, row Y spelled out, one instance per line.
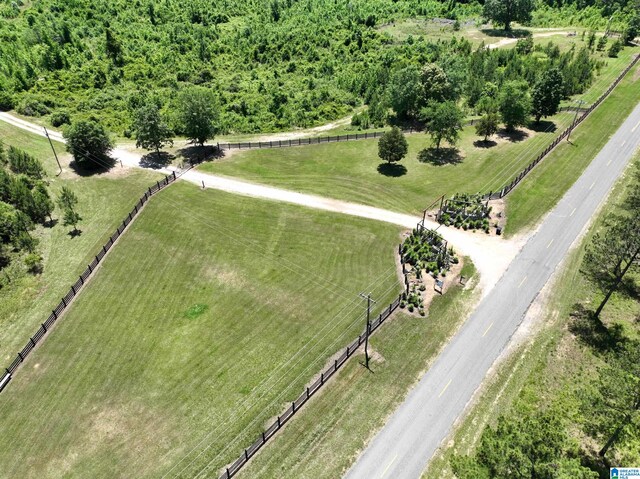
column 602, row 407
column 271, row 64
column 25, row 201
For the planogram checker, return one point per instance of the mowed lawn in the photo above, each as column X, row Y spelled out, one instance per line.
column 206, row 319
column 546, row 184
column 103, row 202
column 350, row 170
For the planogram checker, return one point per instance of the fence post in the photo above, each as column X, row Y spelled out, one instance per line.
column 335, row 365
column 246, row 456
column 293, row 407
column 321, row 378
column 55, row 315
column 279, row 422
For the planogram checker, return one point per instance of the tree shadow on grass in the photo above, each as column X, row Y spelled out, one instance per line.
column 95, row 165
column 498, row 32
column 484, row 144
column 393, row 170
column 156, row 161
column 544, row 126
column 514, row 136
column 50, row 223
column 592, row 332
column 74, row 233
column 196, row 154
column 439, row 157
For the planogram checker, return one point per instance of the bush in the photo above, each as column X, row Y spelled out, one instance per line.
column 410, row 308
column 32, row 107
column 33, row 261
column 6, row 101
column 59, row 118
column 614, row 49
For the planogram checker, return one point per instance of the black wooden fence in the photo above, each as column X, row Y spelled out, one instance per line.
column 83, row 278
column 247, row 145
column 295, row 406
column 510, row 186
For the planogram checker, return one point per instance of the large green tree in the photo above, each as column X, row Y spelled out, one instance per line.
column 404, row 91
column 89, row 143
column 443, row 121
column 435, row 85
column 392, row 145
column 612, row 255
column 612, row 408
column 547, row 93
column 150, row 129
column 514, row 104
column 536, row 446
column 503, row 12
column 487, row 125
column 198, row 113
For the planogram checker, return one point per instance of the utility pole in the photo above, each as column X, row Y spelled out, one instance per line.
column 368, row 330
column 54, row 150
column 580, row 102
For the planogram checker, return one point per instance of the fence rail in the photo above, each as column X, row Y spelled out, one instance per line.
column 281, row 420
column 82, row 279
column 510, row 186
column 247, row 145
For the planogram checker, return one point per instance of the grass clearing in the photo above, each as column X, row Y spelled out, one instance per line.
column 323, row 440
column 553, row 364
column 545, row 185
column 104, row 200
column 197, row 316
column 352, row 170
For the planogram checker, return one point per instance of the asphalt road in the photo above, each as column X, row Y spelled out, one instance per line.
column 402, row 449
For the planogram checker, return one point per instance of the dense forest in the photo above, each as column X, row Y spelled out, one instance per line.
column 273, row 64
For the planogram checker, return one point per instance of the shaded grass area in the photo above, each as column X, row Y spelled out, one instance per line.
column 103, row 201
column 555, row 363
column 350, row 170
column 548, row 182
column 323, row 440
column 209, row 316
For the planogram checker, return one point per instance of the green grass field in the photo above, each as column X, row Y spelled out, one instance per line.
column 546, row 184
column 554, row 364
column 349, row 170
column 325, row 437
column 104, row 200
column 211, row 313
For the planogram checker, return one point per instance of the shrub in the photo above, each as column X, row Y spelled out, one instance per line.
column 32, row 107
column 410, row 308
column 59, row 118
column 6, row 101
column 33, row 261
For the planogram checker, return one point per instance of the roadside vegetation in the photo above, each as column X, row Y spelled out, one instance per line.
column 580, row 371
column 198, row 328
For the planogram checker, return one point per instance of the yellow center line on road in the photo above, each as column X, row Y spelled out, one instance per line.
column 609, row 162
column 574, row 210
column 622, row 144
column 634, row 128
column 522, row 282
column 487, row 330
column 550, row 242
column 445, row 388
column 388, row 466
column 592, row 185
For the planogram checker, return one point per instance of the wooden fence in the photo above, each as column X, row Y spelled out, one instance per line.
column 247, row 145
column 510, row 186
column 295, row 406
column 83, row 278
